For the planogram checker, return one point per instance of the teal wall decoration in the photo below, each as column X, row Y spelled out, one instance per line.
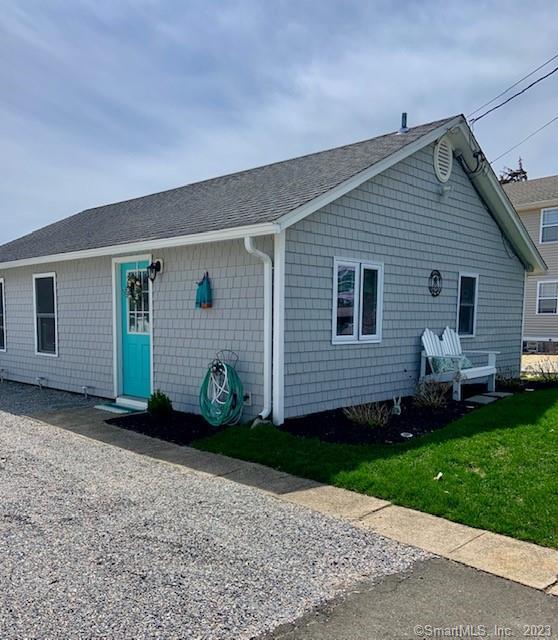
column 204, row 299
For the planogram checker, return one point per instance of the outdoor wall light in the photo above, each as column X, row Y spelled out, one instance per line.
column 154, row 268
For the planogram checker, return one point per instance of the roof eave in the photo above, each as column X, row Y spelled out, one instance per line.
column 234, row 233
column 538, row 204
column 487, row 184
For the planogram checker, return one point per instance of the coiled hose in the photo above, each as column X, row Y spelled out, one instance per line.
column 221, row 395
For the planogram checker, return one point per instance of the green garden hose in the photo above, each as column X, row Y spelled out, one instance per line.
column 221, row 395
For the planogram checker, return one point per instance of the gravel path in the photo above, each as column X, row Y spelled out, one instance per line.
column 97, row 542
column 28, row 399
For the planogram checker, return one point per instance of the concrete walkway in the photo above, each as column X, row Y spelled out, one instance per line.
column 438, row 599
column 521, row 562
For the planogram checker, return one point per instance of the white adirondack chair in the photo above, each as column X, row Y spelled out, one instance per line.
column 450, row 347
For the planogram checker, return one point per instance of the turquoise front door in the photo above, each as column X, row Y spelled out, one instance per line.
column 136, row 329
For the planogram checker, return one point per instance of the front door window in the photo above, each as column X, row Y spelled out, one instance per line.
column 138, row 301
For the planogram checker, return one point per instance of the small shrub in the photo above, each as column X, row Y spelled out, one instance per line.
column 432, row 395
column 508, row 380
column 159, row 405
column 372, row 414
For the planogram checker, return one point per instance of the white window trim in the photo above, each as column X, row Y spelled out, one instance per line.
column 357, row 337
column 543, row 211
column 467, row 274
column 127, row 310
column 2, row 283
column 37, row 276
column 539, row 283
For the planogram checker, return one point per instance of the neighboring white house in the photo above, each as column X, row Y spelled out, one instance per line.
column 536, row 201
column 325, row 270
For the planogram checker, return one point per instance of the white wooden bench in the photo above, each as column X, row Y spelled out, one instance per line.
column 449, row 348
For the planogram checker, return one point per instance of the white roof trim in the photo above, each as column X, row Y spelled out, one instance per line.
column 306, row 209
column 463, row 140
column 498, row 202
column 149, row 245
column 486, row 182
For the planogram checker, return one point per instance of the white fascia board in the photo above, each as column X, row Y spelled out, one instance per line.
column 149, row 245
column 498, row 202
column 515, row 229
column 355, row 181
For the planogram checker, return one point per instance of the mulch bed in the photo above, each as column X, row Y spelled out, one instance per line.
column 179, row 427
column 330, row 426
column 334, row 426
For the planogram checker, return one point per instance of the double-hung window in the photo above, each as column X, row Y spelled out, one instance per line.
column 547, row 298
column 357, row 301
column 2, row 317
column 467, row 297
column 44, row 285
column 549, row 225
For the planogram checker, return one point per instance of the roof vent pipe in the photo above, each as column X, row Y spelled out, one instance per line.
column 404, row 128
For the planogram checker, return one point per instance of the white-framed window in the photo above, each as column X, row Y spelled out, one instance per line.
column 547, row 297
column 2, row 316
column 137, row 303
column 467, row 299
column 549, row 226
column 46, row 320
column 358, row 289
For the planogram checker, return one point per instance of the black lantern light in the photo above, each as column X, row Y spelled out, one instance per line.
column 154, row 268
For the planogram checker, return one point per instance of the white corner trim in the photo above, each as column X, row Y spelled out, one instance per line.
column 355, row 181
column 467, row 274
column 3, row 300
column 39, row 276
column 148, row 245
column 268, row 324
column 279, row 329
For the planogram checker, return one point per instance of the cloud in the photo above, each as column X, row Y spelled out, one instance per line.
column 104, row 101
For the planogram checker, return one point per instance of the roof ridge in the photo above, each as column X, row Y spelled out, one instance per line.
column 264, row 166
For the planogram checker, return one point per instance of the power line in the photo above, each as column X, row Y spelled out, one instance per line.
column 515, row 95
column 524, row 139
column 512, row 86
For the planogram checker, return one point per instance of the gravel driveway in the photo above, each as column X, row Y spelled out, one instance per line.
column 98, row 542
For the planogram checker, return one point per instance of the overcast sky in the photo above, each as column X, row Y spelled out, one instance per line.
column 105, row 100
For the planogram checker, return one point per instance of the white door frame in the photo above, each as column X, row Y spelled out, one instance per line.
column 117, row 321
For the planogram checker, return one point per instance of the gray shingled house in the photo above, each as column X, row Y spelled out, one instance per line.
column 321, row 269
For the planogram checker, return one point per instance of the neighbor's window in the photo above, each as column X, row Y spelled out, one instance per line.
column 549, row 225
column 547, row 298
column 357, row 301
column 467, row 307
column 45, row 313
column 2, row 317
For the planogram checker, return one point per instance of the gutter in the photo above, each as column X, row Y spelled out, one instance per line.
column 144, row 246
column 268, row 324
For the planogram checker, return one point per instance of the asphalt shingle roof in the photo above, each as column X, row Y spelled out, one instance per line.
column 258, row 195
column 537, row 190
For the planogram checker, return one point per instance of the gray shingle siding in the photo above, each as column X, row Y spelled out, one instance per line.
column 400, row 219
column 84, row 296
column 185, row 339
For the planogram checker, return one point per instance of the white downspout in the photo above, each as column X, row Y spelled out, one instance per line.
column 268, row 322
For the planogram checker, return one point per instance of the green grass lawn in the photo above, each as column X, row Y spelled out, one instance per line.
column 499, row 465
